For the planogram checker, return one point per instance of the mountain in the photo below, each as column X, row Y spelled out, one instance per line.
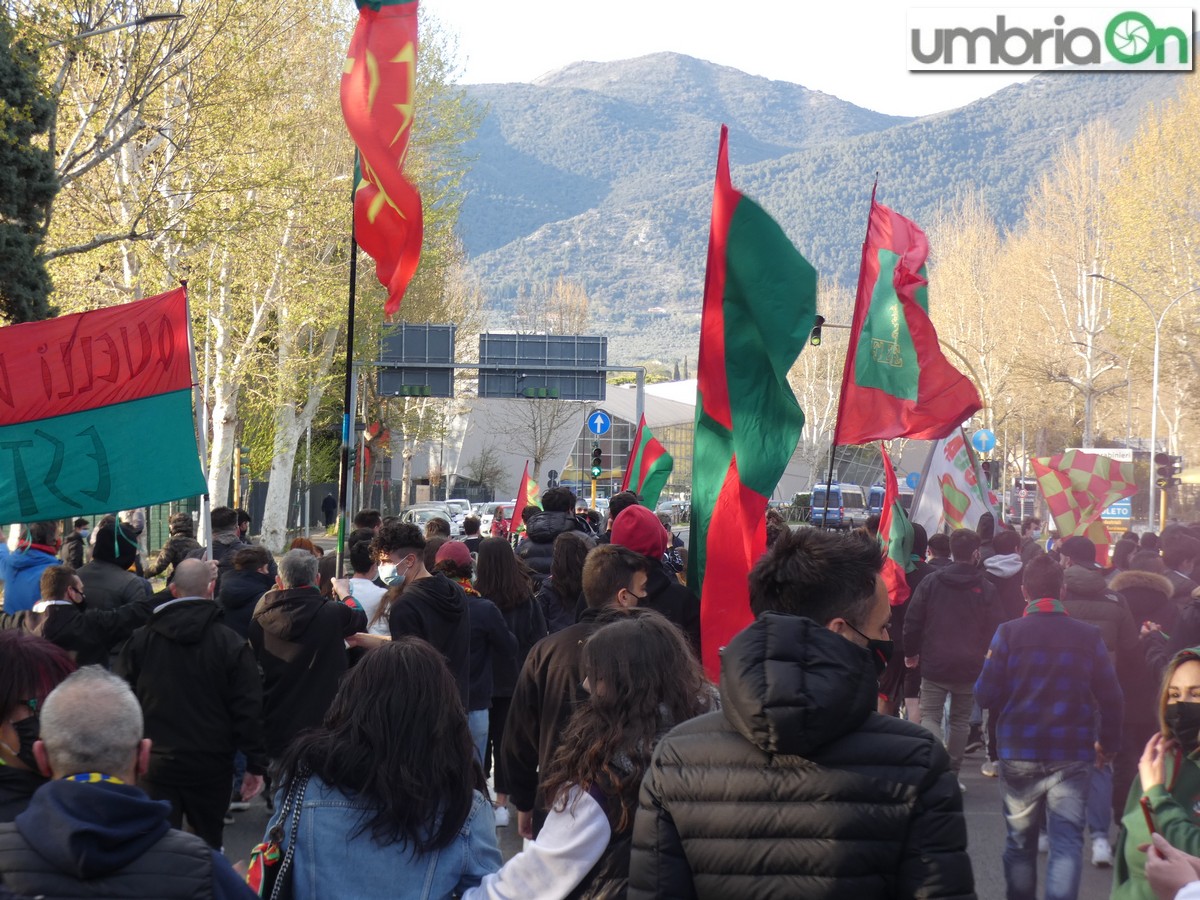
column 602, row 173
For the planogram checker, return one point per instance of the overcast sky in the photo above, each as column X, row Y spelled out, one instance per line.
column 853, row 49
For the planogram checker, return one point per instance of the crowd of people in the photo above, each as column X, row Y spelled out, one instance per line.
column 396, row 718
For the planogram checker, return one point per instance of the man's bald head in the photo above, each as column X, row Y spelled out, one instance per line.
column 194, row 578
column 92, row 722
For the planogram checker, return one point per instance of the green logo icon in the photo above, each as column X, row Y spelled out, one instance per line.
column 1131, row 37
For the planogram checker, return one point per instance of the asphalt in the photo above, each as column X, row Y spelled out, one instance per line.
column 981, row 803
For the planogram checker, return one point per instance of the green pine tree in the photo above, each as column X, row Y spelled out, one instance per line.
column 27, row 182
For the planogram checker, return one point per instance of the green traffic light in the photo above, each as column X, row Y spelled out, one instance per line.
column 596, row 470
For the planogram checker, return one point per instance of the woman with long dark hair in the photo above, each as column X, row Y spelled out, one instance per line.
column 30, row 668
column 559, row 594
column 503, row 579
column 642, row 679
column 391, row 799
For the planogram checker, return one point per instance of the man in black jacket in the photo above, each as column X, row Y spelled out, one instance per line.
column 202, row 699
column 548, row 687
column 949, row 626
column 797, row 787
column 89, row 832
column 430, row 605
column 299, row 637
column 557, row 515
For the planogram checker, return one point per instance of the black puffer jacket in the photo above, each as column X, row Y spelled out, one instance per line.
column 950, row 622
column 1088, row 598
column 797, row 787
column 241, row 590
column 537, row 549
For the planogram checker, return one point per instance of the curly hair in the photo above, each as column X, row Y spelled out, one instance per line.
column 643, row 680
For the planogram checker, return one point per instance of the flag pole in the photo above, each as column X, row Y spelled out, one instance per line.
column 201, row 401
column 348, row 400
column 912, row 512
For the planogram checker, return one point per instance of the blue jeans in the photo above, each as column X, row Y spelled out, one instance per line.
column 1099, row 802
column 1056, row 791
column 477, row 721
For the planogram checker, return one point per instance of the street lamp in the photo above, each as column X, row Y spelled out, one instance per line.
column 1158, row 320
column 132, row 23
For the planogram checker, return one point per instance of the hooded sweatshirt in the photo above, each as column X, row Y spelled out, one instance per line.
column 435, row 609
column 797, row 787
column 108, row 840
column 199, row 689
column 950, row 622
column 299, row 639
column 21, row 572
column 1004, row 571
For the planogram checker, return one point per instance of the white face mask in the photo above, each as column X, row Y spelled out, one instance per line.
column 387, row 573
column 1036, row 533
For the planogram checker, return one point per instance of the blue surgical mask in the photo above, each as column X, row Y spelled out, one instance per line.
column 84, row 532
column 1036, row 533
column 387, row 573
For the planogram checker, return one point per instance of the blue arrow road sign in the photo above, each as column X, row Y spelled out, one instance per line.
column 599, row 422
column 913, row 479
column 983, row 440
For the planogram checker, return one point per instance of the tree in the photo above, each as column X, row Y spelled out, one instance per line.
column 27, row 181
column 485, row 469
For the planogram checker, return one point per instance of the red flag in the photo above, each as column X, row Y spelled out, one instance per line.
column 896, row 382
column 1078, row 487
column 527, row 495
column 378, row 92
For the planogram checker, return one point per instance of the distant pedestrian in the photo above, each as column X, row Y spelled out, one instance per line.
column 181, row 544
column 328, row 509
column 74, row 545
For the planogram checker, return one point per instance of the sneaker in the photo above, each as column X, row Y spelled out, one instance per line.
column 1101, row 852
column 502, row 817
column 229, row 819
column 237, row 804
column 974, row 741
column 1043, row 843
column 990, row 769
column 962, row 787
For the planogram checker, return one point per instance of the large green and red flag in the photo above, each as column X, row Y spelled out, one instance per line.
column 1078, row 487
column 896, row 382
column 378, row 94
column 760, row 298
column 648, row 468
column 896, row 536
column 96, row 411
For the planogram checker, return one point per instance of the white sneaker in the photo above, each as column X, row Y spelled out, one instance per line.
column 502, row 818
column 1043, row 843
column 1101, row 852
column 990, row 769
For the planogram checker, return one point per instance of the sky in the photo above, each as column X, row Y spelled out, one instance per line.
column 852, row 49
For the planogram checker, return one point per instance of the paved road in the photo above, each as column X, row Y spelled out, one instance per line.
column 985, row 827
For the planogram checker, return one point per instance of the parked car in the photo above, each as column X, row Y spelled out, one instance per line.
column 419, row 514
column 875, row 499
column 461, row 509
column 847, row 506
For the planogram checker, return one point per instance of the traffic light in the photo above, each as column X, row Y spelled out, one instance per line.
column 597, row 460
column 815, row 337
column 244, row 459
column 1168, row 468
column 986, row 466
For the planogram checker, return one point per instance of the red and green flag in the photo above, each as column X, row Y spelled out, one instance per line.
column 760, row 299
column 96, row 411
column 1078, row 487
column 896, row 382
column 378, row 94
column 527, row 495
column 896, row 536
column 648, row 468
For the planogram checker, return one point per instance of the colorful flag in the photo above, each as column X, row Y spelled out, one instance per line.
column 759, row 306
column 952, row 490
column 1078, row 487
column 96, row 411
column 896, row 382
column 378, row 94
column 648, row 468
column 527, row 495
column 896, row 536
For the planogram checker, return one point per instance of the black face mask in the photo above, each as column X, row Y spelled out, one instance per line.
column 1183, row 720
column 880, row 650
column 27, row 732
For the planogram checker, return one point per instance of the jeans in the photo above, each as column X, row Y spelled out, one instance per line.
column 1030, row 790
column 1099, row 802
column 962, row 698
column 477, row 721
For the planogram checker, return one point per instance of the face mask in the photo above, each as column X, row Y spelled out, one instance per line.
column 880, row 650
column 83, row 533
column 387, row 573
column 1183, row 721
column 1036, row 533
column 27, row 732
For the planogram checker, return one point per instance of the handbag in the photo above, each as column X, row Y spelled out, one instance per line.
column 269, row 872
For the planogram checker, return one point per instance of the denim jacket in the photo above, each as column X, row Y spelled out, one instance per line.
column 332, row 860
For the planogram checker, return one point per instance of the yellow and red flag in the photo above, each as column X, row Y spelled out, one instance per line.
column 1078, row 487
column 527, row 495
column 378, row 95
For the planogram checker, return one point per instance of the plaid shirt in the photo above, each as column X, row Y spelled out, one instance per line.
column 1045, row 677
